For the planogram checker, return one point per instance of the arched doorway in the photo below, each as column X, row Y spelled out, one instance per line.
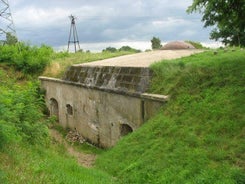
column 69, row 109
column 125, row 129
column 54, row 108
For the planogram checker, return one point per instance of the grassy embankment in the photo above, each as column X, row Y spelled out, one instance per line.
column 199, row 136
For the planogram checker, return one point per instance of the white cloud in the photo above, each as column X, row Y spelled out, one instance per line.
column 105, row 21
column 38, row 17
column 170, row 22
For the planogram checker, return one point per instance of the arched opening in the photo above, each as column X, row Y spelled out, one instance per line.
column 125, row 129
column 69, row 109
column 54, row 108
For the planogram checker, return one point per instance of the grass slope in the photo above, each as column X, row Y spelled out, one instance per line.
column 36, row 164
column 199, row 136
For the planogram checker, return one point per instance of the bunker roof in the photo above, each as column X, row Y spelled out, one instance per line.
column 175, row 45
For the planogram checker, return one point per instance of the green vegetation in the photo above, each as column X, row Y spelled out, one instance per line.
column 155, row 43
column 109, row 49
column 25, row 58
column 52, row 164
column 20, row 112
column 122, row 49
column 197, row 45
column 198, row 137
column 11, row 39
column 228, row 18
column 129, row 49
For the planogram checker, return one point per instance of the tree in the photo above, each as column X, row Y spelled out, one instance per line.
column 227, row 15
column 128, row 49
column 155, row 43
column 11, row 39
column 109, row 49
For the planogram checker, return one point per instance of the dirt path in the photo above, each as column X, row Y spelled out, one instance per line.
column 144, row 59
column 83, row 159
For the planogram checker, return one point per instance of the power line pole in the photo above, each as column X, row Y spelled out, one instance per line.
column 6, row 21
column 73, row 37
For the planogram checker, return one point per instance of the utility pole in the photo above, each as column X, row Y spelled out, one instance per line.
column 6, row 21
column 73, row 37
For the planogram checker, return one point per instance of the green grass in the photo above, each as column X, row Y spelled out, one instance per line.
column 35, row 164
column 199, row 136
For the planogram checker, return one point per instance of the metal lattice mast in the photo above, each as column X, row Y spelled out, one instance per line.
column 6, row 20
column 73, row 37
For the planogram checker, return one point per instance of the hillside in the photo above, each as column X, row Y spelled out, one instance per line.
column 199, row 136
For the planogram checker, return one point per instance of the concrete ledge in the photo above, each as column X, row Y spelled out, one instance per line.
column 155, row 97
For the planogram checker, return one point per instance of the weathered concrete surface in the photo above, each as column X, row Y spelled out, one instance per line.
column 101, row 116
column 135, row 79
column 144, row 59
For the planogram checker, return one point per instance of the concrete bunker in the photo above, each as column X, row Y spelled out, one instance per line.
column 177, row 45
column 102, row 103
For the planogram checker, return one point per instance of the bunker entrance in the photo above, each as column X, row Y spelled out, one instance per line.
column 125, row 129
column 54, row 108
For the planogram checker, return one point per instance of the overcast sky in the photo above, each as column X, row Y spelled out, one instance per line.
column 102, row 23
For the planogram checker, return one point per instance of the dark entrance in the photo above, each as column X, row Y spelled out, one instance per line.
column 54, row 108
column 125, row 129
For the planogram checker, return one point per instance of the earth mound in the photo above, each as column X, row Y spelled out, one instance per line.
column 177, row 45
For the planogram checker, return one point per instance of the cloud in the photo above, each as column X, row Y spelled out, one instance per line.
column 34, row 17
column 105, row 21
column 171, row 22
column 188, row 33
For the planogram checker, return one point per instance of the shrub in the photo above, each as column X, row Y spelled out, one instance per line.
column 155, row 43
column 110, row 49
column 129, row 49
column 20, row 112
column 26, row 58
column 8, row 134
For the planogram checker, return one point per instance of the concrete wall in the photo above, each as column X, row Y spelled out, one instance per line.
column 101, row 116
